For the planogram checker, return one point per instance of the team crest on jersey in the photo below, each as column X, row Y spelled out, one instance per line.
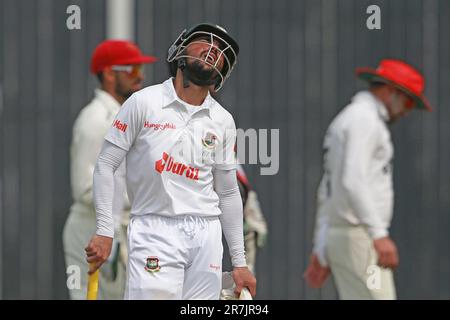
column 210, row 140
column 152, row 264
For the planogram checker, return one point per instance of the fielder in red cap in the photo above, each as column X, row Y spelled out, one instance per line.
column 118, row 66
column 355, row 196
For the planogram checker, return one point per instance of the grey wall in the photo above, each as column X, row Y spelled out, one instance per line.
column 295, row 71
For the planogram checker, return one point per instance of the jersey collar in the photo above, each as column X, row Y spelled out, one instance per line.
column 380, row 107
column 170, row 96
column 108, row 101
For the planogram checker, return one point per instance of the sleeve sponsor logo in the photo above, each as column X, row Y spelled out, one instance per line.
column 120, row 126
column 159, row 126
column 216, row 267
column 168, row 164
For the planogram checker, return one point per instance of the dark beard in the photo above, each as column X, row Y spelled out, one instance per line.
column 199, row 75
column 122, row 91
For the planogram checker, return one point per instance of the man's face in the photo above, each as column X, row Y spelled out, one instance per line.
column 202, row 49
column 400, row 104
column 128, row 82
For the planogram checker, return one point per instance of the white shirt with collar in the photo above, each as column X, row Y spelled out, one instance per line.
column 89, row 130
column 357, row 185
column 171, row 152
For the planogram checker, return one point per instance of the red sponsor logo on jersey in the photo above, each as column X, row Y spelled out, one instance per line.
column 159, row 126
column 120, row 126
column 214, row 266
column 167, row 163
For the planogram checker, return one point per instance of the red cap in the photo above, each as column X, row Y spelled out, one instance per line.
column 402, row 75
column 117, row 52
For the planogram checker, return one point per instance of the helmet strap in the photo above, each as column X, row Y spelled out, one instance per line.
column 182, row 66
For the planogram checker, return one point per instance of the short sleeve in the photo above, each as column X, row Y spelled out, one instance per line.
column 126, row 126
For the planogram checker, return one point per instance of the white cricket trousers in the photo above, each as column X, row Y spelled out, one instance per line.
column 353, row 262
column 174, row 258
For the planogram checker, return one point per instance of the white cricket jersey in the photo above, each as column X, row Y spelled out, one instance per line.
column 356, row 187
column 172, row 152
column 88, row 135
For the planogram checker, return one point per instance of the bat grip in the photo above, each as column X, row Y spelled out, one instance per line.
column 92, row 285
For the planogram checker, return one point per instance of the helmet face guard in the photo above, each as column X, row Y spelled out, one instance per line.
column 226, row 50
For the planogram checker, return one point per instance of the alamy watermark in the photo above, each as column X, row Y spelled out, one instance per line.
column 373, row 281
column 258, row 149
column 205, row 146
column 73, row 21
column 73, row 277
column 374, row 20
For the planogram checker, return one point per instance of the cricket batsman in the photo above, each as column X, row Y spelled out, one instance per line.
column 178, row 143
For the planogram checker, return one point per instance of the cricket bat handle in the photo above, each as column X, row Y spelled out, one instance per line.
column 245, row 295
column 92, row 289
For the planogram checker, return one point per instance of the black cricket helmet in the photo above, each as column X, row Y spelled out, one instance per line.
column 228, row 47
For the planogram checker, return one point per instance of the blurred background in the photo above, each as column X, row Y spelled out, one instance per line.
column 295, row 71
